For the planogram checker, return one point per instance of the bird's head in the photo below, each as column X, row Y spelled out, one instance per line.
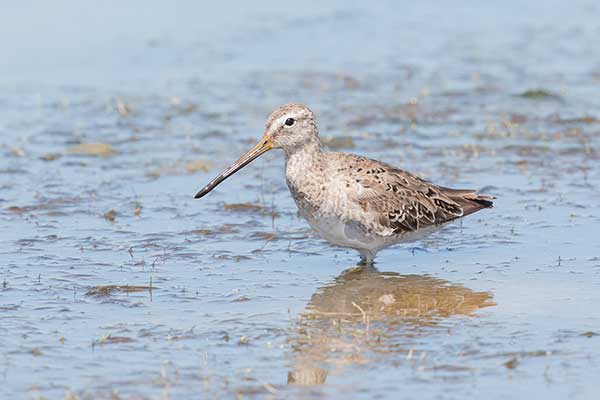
column 290, row 127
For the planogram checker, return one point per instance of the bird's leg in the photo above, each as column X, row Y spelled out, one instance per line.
column 366, row 258
column 413, row 250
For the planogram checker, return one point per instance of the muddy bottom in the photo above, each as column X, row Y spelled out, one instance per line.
column 116, row 283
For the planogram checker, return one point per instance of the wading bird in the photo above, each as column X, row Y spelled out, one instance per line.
column 349, row 200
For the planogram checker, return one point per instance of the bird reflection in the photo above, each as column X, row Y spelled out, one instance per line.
column 365, row 310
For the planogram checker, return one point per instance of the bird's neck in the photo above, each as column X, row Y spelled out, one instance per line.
column 305, row 162
column 309, row 153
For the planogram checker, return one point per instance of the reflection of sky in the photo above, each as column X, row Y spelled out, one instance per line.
column 67, row 42
column 233, row 62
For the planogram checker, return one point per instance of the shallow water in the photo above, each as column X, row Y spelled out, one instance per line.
column 115, row 283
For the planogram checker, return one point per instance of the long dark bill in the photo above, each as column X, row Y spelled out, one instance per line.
column 260, row 148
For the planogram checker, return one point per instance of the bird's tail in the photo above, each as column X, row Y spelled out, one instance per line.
column 470, row 200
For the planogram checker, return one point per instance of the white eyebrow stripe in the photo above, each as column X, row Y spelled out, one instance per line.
column 281, row 120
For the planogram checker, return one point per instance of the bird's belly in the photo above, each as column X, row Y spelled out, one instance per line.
column 345, row 233
column 339, row 222
column 328, row 217
column 354, row 235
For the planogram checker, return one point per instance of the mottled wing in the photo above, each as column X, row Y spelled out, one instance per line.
column 395, row 201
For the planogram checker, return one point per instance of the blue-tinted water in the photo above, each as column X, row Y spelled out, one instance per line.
column 242, row 300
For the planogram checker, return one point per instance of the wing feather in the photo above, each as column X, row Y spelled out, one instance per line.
column 396, row 201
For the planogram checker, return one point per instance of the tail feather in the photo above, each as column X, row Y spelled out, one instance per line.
column 483, row 199
column 470, row 200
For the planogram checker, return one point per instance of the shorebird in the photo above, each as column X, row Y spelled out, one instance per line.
column 349, row 200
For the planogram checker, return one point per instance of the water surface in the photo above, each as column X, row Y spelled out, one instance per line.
column 116, row 283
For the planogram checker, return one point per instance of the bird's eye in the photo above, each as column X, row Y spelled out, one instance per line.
column 290, row 122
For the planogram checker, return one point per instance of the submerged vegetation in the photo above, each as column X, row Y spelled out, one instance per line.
column 116, row 283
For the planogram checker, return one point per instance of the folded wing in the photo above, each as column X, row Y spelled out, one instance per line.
column 396, row 201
